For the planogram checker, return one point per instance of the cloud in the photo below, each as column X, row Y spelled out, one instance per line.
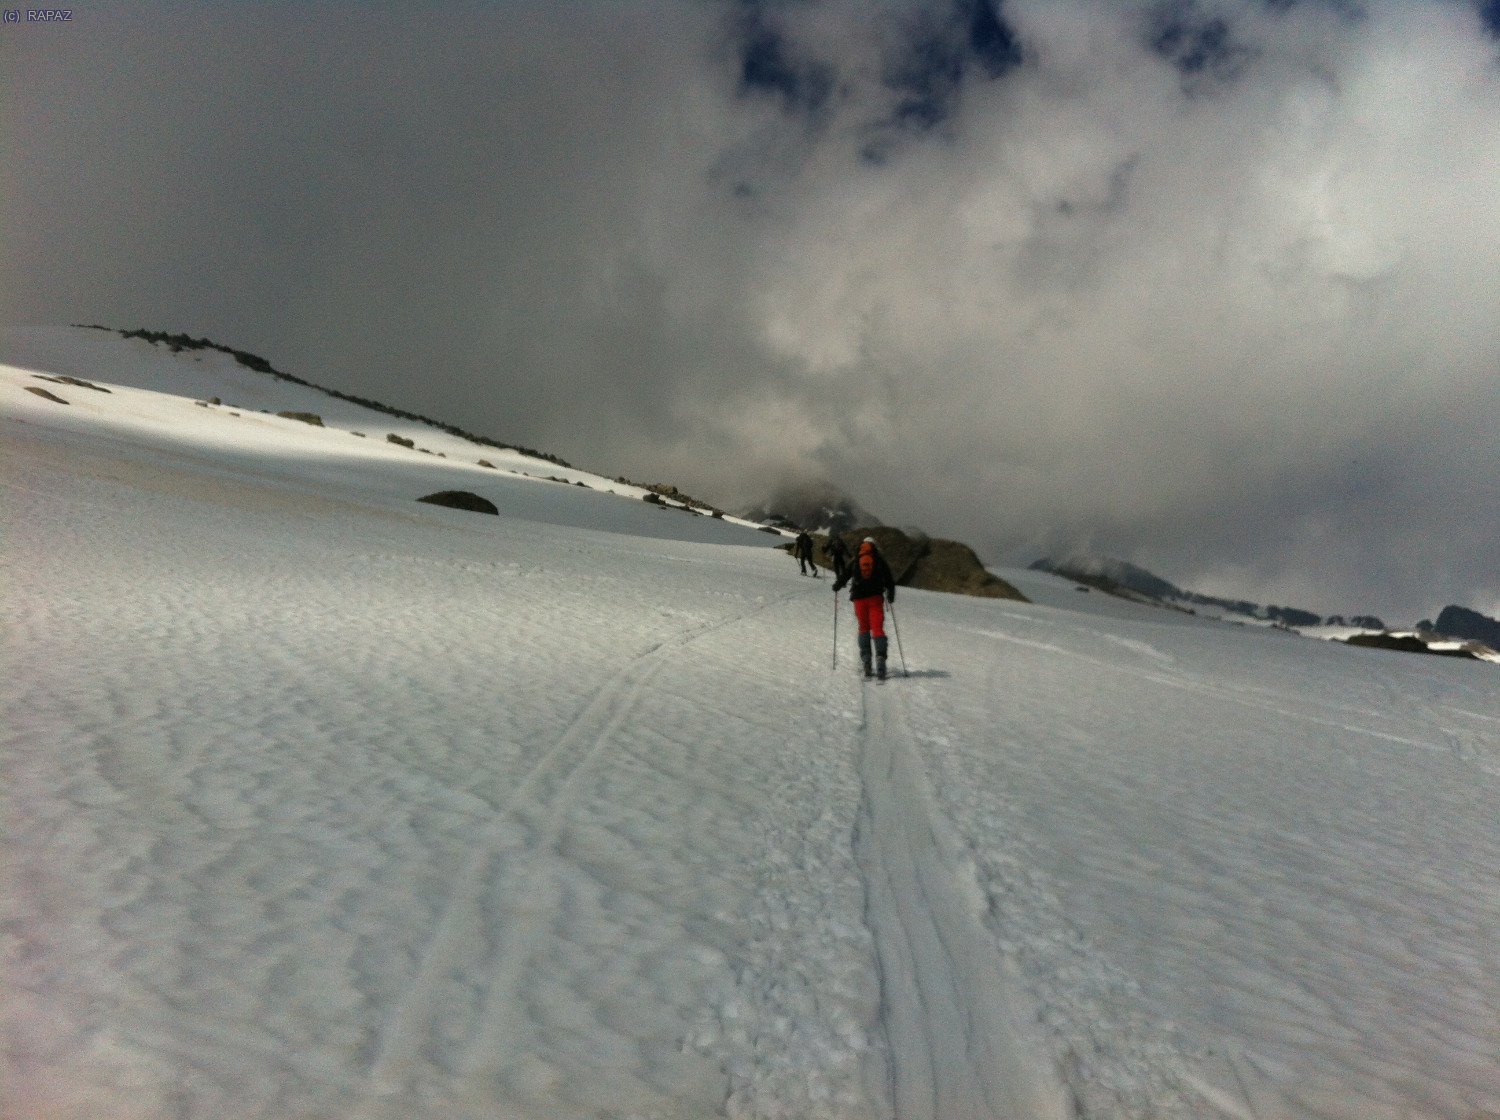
column 1205, row 284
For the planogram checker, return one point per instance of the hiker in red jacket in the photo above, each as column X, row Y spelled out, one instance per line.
column 871, row 586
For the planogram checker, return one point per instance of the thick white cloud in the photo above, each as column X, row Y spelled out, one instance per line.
column 1234, row 318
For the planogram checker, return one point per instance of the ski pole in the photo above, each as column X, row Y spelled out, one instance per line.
column 896, row 629
column 836, row 630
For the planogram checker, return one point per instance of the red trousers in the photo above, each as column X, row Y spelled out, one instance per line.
column 871, row 615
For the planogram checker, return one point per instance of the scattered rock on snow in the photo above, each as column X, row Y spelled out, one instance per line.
column 44, row 394
column 306, row 417
column 64, row 379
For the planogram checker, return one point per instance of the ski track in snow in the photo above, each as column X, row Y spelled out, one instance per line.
column 957, row 1030
column 511, row 884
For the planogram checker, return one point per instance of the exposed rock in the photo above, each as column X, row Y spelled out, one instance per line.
column 65, row 379
column 1292, row 616
column 400, row 441
column 952, row 566
column 487, row 463
column 461, row 499
column 933, row 565
column 668, row 491
column 306, row 417
column 176, row 343
column 44, row 394
column 1405, row 643
column 1460, row 622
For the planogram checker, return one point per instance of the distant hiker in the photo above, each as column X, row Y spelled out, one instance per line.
column 871, row 585
column 838, row 555
column 803, row 551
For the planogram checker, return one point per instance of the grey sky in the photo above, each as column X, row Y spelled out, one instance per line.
column 1211, row 286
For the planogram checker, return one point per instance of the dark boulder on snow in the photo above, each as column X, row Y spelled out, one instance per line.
column 306, row 417
column 461, row 499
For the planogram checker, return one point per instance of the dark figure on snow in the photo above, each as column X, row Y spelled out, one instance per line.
column 871, row 586
column 838, row 555
column 803, row 551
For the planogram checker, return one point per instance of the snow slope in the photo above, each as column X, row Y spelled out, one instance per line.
column 320, row 802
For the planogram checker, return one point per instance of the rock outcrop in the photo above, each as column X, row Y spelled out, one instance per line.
column 933, row 565
column 1462, row 623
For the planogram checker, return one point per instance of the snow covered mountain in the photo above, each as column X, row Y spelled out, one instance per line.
column 1458, row 633
column 322, row 802
column 816, row 507
column 1123, row 578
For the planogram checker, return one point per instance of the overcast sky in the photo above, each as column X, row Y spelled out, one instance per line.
column 1210, row 286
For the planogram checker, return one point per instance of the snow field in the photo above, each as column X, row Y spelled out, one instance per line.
column 319, row 802
column 1285, row 860
column 513, row 844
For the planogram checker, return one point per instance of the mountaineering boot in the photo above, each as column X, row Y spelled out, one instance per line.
column 864, row 652
column 880, row 647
